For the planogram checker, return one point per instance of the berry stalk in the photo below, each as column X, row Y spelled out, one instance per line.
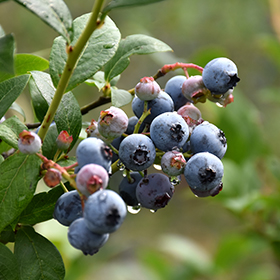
column 74, row 53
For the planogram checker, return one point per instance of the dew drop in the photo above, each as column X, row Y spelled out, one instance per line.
column 134, row 209
column 121, row 166
column 153, row 210
column 102, row 196
column 109, row 46
column 175, row 180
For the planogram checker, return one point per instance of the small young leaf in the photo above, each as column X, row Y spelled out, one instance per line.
column 120, row 97
column 41, row 258
column 9, row 269
column 100, row 48
column 55, row 13
column 18, row 109
column 97, row 80
column 41, row 207
column 127, row 3
column 7, row 49
column 10, row 90
column 134, row 44
column 29, row 62
column 10, row 129
column 41, row 91
column 19, row 175
column 68, row 116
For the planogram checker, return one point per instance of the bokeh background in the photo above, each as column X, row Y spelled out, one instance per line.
column 235, row 235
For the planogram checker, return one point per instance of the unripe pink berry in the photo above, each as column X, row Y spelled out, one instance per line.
column 147, row 89
column 90, row 178
column 112, row 122
column 63, row 140
column 173, row 163
column 29, row 142
column 52, row 177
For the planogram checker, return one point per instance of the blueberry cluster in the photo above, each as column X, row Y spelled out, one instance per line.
column 168, row 131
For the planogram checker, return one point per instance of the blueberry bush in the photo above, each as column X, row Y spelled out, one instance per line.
column 146, row 146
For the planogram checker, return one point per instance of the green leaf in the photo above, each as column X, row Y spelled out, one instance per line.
column 18, row 109
column 97, row 80
column 10, row 129
column 19, row 175
column 7, row 235
column 99, row 50
column 29, row 62
column 41, row 207
column 10, row 90
column 42, row 92
column 1, row 158
column 37, row 257
column 9, row 269
column 120, row 97
column 2, row 32
column 68, row 116
column 133, row 44
column 55, row 13
column 7, row 49
column 49, row 146
column 127, row 3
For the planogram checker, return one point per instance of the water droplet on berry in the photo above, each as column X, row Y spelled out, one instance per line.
column 153, row 211
column 134, row 209
column 102, row 196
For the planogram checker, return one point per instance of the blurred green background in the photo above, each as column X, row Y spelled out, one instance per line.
column 235, row 235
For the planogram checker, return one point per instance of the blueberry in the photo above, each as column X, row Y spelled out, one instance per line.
column 147, row 89
column 127, row 188
column 191, row 115
column 112, row 122
column 29, row 142
column 137, row 152
column 206, row 137
column 219, row 75
column 90, row 178
column 104, row 211
column 174, row 88
column 92, row 131
column 68, row 208
column 194, row 89
column 154, row 191
column 93, row 150
column 80, row 237
column 173, row 163
column 203, row 173
column 163, row 103
column 169, row 130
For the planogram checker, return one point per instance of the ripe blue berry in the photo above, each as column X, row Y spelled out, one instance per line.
column 127, row 188
column 93, row 150
column 137, row 152
column 174, row 88
column 147, row 89
column 154, row 191
column 203, row 173
column 163, row 103
column 173, row 163
column 169, row 130
column 219, row 75
column 29, row 142
column 90, row 178
column 112, row 122
column 206, row 137
column 80, row 237
column 104, row 211
column 68, row 208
